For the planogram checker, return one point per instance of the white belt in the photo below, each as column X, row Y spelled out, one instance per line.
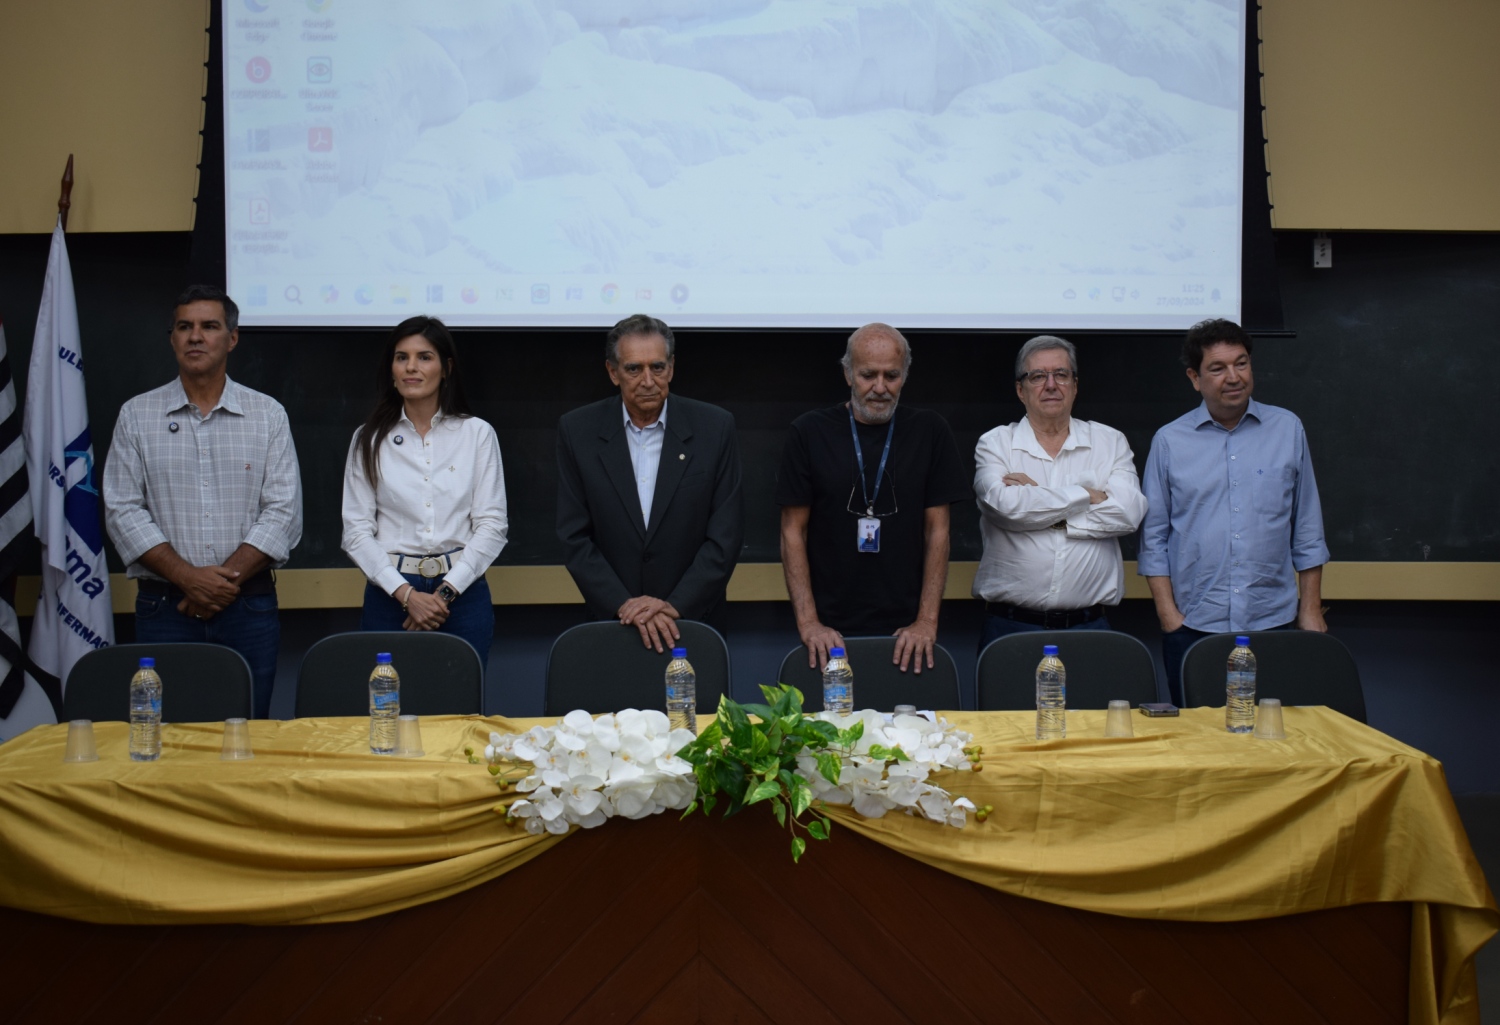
column 428, row 566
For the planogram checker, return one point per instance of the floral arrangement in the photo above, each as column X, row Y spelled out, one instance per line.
column 584, row 771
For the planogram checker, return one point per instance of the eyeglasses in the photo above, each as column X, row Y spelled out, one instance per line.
column 1037, row 378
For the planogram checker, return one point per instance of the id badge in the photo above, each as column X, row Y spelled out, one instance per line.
column 869, row 534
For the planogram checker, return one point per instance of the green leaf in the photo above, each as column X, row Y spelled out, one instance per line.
column 708, row 803
column 692, row 807
column 856, row 731
column 730, row 776
column 760, row 745
column 798, row 846
column 829, row 767
column 764, row 711
column 772, row 693
column 764, row 790
column 817, row 830
column 711, row 737
column 779, row 807
column 801, row 798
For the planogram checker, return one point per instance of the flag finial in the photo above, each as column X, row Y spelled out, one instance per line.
column 65, row 201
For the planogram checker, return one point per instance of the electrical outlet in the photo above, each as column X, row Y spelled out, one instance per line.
column 1322, row 251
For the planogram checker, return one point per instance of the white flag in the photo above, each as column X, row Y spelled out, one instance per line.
column 74, row 613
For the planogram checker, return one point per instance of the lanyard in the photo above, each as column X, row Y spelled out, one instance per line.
column 859, row 457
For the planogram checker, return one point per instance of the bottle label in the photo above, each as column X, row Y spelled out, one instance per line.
column 385, row 701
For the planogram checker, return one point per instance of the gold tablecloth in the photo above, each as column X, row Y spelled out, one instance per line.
column 1183, row 821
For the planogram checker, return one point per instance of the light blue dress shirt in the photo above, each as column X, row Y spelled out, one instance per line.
column 1232, row 517
column 645, row 456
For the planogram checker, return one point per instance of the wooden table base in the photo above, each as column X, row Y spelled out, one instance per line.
column 661, row 921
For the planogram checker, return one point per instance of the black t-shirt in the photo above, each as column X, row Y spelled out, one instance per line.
column 857, row 592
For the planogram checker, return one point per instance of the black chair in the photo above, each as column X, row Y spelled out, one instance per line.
column 1102, row 665
column 199, row 683
column 441, row 674
column 1299, row 667
column 878, row 683
column 604, row 667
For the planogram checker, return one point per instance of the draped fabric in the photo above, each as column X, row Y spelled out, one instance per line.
column 1184, row 821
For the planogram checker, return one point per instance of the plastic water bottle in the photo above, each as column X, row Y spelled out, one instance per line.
column 682, row 692
column 838, row 683
column 1051, row 696
column 1239, row 688
column 145, row 713
column 385, row 705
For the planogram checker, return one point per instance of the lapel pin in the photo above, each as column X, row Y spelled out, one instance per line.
column 682, row 455
column 172, row 427
column 398, row 439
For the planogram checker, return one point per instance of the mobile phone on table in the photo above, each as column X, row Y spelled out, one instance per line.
column 1156, row 709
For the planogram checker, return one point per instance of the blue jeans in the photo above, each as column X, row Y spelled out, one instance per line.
column 998, row 626
column 249, row 625
column 471, row 617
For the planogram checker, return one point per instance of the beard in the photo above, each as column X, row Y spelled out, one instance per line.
column 866, row 413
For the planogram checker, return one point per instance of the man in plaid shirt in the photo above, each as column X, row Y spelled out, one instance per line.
column 202, row 497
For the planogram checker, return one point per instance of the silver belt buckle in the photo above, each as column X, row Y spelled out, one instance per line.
column 430, row 567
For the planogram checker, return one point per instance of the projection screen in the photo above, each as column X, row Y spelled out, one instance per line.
column 930, row 163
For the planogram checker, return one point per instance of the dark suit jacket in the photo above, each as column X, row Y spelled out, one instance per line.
column 688, row 550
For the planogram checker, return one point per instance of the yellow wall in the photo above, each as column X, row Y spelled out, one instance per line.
column 762, row 581
column 119, row 85
column 1381, row 114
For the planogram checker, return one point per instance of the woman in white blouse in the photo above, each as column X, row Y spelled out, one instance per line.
column 424, row 494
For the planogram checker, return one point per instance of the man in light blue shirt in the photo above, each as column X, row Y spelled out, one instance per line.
column 1233, row 536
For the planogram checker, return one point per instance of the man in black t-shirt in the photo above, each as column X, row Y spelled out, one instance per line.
column 864, row 523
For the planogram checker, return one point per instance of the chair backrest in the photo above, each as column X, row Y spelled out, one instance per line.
column 604, row 667
column 878, row 683
column 1299, row 667
column 1102, row 665
column 441, row 674
column 199, row 682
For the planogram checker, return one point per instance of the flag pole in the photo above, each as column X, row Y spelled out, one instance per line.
column 65, row 201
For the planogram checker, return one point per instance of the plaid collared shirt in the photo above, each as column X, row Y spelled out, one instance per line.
column 205, row 485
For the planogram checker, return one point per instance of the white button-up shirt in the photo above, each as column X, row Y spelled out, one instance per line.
column 645, row 456
column 1027, row 560
column 436, row 494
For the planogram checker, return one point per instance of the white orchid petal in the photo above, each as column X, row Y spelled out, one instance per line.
column 579, row 721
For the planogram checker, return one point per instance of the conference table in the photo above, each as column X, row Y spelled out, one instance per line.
column 1183, row 874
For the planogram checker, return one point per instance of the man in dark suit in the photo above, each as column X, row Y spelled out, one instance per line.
column 648, row 492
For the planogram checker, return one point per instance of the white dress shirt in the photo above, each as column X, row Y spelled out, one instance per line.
column 1030, row 562
column 645, row 456
column 436, row 494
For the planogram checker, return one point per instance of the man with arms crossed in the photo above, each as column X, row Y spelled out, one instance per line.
column 1233, row 540
column 648, row 492
column 202, row 497
column 1055, row 494
column 864, row 491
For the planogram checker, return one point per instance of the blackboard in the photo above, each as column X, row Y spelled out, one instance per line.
column 1391, row 366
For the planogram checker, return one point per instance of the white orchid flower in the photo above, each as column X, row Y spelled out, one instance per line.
column 529, row 784
column 872, row 804
column 581, row 796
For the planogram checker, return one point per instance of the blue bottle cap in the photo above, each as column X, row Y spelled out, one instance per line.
column 679, row 653
column 1049, row 650
column 383, row 659
column 148, row 663
column 1242, row 641
column 835, row 652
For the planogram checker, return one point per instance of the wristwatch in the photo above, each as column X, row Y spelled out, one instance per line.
column 446, row 592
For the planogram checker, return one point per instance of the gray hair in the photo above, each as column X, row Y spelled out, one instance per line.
column 876, row 330
column 637, row 324
column 1041, row 343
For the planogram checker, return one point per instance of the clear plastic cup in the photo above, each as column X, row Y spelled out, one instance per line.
column 236, row 741
column 1117, row 722
column 1268, row 723
column 81, row 746
column 409, row 737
